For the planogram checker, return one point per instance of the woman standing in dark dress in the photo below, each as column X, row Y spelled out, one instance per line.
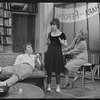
column 54, row 57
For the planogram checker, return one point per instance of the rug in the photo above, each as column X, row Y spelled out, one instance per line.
column 69, row 92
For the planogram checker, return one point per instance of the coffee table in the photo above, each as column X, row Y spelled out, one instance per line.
column 27, row 91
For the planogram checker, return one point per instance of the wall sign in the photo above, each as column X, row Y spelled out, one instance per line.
column 79, row 13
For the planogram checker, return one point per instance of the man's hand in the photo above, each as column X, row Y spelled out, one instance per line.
column 37, row 56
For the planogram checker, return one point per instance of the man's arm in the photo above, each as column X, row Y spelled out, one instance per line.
column 38, row 61
column 17, row 61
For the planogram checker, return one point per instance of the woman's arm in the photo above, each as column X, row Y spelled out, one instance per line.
column 78, row 49
column 71, row 46
column 64, row 42
column 48, row 39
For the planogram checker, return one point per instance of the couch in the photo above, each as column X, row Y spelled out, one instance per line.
column 38, row 78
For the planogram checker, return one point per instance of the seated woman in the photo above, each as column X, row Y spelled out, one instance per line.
column 22, row 68
column 78, row 49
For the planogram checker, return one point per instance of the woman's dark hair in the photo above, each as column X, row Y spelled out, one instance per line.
column 24, row 46
column 55, row 21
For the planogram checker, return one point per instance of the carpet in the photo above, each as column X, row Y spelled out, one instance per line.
column 69, row 92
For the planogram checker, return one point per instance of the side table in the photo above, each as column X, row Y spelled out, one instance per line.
column 27, row 91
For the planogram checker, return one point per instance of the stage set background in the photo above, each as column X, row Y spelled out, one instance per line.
column 76, row 16
column 73, row 17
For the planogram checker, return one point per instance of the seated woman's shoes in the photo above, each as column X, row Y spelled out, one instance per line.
column 76, row 79
column 66, row 85
column 49, row 89
column 58, row 90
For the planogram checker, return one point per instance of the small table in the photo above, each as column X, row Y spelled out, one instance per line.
column 28, row 91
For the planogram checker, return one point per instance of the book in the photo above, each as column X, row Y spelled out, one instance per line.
column 1, row 21
column 1, row 48
column 9, row 31
column 4, row 40
column 1, row 31
column 5, row 31
column 6, row 22
column 1, row 12
column 0, row 40
column 7, row 14
column 1, row 5
column 9, row 40
column 25, row 7
column 10, row 22
column 6, row 5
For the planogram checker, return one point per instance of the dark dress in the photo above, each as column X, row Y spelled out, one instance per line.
column 54, row 57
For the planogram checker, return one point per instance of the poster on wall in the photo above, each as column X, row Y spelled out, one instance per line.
column 77, row 14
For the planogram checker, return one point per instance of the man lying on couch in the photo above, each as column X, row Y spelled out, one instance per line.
column 22, row 68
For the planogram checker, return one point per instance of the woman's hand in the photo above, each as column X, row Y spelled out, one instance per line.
column 67, row 53
column 61, row 41
column 48, row 41
column 65, row 50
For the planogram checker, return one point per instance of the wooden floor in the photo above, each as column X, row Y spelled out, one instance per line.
column 76, row 91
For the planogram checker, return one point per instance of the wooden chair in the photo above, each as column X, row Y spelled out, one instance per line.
column 92, row 66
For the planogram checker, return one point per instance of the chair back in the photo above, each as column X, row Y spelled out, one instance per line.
column 94, row 58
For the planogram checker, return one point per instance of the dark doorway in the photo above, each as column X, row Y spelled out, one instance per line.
column 23, row 31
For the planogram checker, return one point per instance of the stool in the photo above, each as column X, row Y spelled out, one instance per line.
column 83, row 75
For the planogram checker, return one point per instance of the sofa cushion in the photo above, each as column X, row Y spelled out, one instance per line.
column 36, row 74
column 7, row 59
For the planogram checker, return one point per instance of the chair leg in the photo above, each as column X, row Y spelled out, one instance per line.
column 45, row 84
column 82, row 81
column 92, row 78
column 95, row 69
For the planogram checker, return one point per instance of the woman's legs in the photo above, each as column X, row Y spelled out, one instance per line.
column 58, row 82
column 49, row 81
column 66, row 73
column 76, row 76
column 57, row 79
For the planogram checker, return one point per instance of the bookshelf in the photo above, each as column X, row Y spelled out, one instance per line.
column 9, row 34
column 5, row 28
